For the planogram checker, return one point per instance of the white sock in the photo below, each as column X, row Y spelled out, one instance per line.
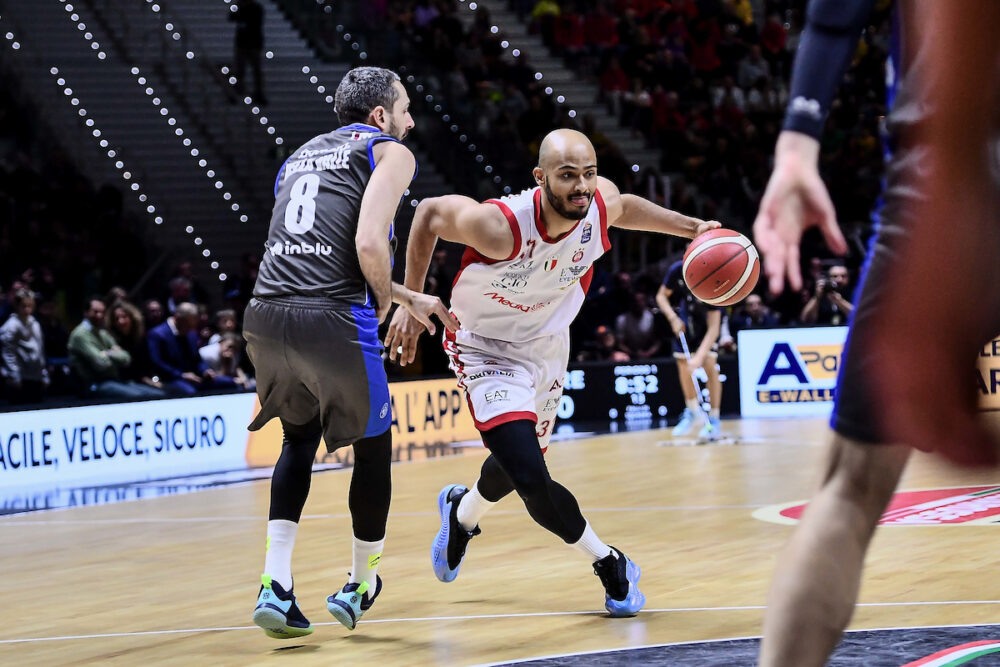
column 472, row 508
column 714, row 413
column 278, row 559
column 591, row 545
column 692, row 404
column 366, row 559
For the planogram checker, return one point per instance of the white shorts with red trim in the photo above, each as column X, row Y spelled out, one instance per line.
column 504, row 381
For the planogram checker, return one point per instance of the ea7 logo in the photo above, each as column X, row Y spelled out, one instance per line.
column 805, row 363
column 498, row 395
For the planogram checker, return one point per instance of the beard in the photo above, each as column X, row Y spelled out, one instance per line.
column 564, row 208
column 394, row 130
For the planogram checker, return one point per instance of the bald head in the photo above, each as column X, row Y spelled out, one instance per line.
column 567, row 172
column 566, row 147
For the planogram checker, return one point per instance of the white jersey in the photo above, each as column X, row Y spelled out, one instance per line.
column 538, row 290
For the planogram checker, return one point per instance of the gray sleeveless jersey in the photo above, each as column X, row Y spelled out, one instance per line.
column 310, row 249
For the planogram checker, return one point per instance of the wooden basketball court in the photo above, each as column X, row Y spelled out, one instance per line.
column 174, row 580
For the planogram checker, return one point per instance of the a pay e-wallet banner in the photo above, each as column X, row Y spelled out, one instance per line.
column 789, row 372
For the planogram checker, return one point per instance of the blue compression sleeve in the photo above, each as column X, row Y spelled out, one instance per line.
column 828, row 42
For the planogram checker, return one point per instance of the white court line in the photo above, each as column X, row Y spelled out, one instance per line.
column 592, row 510
column 473, row 617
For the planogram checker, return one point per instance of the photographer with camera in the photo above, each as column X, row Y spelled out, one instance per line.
column 829, row 305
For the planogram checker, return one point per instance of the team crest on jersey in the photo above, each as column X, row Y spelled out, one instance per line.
column 588, row 230
column 578, row 255
column 551, row 263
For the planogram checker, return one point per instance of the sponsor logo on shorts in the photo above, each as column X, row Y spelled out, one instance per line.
column 384, row 411
column 588, row 230
column 551, row 404
column 972, row 505
column 556, row 384
column 498, row 395
column 492, row 371
column 504, row 301
column 578, row 255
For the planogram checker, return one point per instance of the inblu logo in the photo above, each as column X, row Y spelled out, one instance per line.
column 287, row 248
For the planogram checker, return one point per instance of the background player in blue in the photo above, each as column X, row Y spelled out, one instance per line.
column 312, row 332
column 939, row 198
column 700, row 323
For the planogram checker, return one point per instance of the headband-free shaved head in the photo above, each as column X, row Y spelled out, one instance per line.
column 566, row 147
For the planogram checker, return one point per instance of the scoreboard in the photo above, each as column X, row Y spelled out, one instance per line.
column 635, row 391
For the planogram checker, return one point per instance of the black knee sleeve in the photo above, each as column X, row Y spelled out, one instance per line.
column 493, row 484
column 293, row 471
column 371, row 487
column 514, row 445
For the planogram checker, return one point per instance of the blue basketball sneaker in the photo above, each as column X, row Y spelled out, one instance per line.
column 278, row 613
column 686, row 423
column 449, row 545
column 712, row 430
column 350, row 603
column 620, row 577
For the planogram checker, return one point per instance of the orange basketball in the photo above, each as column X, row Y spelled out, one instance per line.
column 721, row 267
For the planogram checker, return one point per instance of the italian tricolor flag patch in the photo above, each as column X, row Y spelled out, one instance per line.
column 958, row 655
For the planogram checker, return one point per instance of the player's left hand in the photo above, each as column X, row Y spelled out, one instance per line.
column 706, row 226
column 410, row 320
column 422, row 306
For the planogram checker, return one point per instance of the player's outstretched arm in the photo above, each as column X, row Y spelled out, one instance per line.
column 393, row 173
column 455, row 218
column 631, row 212
column 795, row 197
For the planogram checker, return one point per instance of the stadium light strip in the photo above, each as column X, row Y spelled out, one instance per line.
column 175, row 34
column 126, row 175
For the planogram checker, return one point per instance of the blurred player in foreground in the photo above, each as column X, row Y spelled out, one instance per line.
column 527, row 266
column 928, row 302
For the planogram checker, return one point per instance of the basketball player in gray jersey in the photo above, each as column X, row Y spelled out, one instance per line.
column 905, row 315
column 312, row 332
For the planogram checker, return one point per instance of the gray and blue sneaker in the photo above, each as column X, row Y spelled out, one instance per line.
column 449, row 545
column 712, row 430
column 278, row 613
column 620, row 577
column 350, row 603
column 686, row 423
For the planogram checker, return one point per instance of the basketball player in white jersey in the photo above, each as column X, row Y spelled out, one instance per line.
column 527, row 266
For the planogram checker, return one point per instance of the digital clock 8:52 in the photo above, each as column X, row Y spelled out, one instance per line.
column 637, row 386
